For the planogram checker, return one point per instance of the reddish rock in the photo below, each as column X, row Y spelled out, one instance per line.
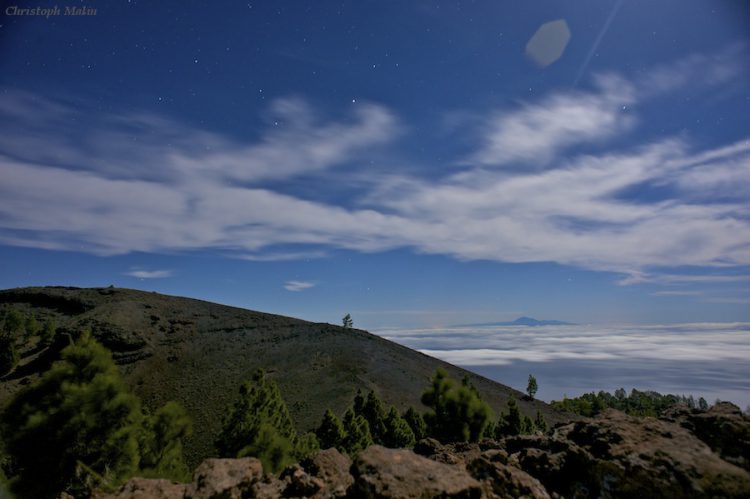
column 225, row 478
column 143, row 488
column 331, row 468
column 398, row 473
column 619, row 455
column 446, row 454
column 506, row 482
column 723, row 427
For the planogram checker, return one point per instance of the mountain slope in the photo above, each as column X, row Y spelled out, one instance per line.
column 198, row 353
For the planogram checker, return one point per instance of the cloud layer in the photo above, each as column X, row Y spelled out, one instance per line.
column 539, row 185
column 707, row 360
column 504, row 345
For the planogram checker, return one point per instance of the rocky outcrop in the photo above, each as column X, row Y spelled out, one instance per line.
column 685, row 454
column 384, row 473
column 144, row 488
column 723, row 428
column 616, row 455
column 225, row 478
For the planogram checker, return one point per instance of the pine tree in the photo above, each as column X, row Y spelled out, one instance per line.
column 702, row 404
column 358, row 435
column 48, row 332
column 347, row 321
column 374, row 412
column 274, row 450
column 305, row 445
column 359, row 402
column 79, row 416
column 162, row 443
column 398, row 434
column 13, row 321
column 527, row 425
column 531, row 387
column 540, row 422
column 458, row 412
column 416, row 423
column 260, row 417
column 331, row 432
column 511, row 423
column 8, row 353
column 31, row 326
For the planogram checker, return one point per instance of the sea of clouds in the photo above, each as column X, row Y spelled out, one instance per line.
column 705, row 359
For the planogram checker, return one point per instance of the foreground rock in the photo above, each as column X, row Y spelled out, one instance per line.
column 385, row 473
column 617, row 455
column 686, row 454
column 723, row 428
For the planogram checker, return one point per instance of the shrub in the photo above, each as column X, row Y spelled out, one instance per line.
column 398, row 433
column 8, row 353
column 458, row 412
column 357, row 431
column 258, row 424
column 331, row 432
column 416, row 423
column 79, row 417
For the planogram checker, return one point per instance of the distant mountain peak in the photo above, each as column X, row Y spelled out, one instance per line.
column 530, row 321
column 521, row 321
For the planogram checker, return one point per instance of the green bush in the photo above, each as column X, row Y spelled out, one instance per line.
column 79, row 417
column 258, row 424
column 79, row 427
column 162, row 442
column 48, row 332
column 398, row 433
column 416, row 423
column 357, row 431
column 638, row 403
column 458, row 412
column 13, row 322
column 8, row 353
column 511, row 423
column 331, row 432
column 374, row 412
column 31, row 326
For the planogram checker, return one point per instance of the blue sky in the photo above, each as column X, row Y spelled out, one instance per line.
column 407, row 162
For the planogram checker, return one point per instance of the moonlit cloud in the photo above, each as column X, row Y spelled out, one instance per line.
column 298, row 285
column 149, row 274
column 642, row 277
column 705, row 359
column 535, row 133
column 677, row 293
column 539, row 187
column 505, row 345
column 284, row 256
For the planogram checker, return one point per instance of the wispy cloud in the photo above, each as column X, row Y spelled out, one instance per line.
column 149, row 274
column 538, row 188
column 284, row 256
column 636, row 277
column 298, row 285
column 677, row 293
column 535, row 133
column 732, row 300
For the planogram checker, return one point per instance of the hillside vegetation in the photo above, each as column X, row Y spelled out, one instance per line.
column 197, row 353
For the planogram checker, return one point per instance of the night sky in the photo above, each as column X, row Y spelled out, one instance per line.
column 412, row 163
